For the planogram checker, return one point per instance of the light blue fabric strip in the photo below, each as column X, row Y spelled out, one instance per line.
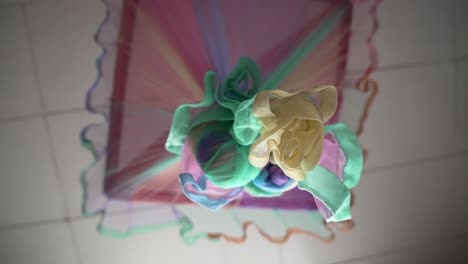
column 264, row 184
column 200, row 186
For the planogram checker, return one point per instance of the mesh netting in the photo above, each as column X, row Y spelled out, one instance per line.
column 155, row 58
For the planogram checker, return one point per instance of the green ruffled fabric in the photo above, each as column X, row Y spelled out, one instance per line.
column 225, row 109
column 228, row 103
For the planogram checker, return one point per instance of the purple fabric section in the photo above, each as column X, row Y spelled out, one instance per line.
column 294, row 199
column 334, row 160
column 277, row 176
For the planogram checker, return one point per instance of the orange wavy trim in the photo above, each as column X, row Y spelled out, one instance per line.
column 342, row 227
column 366, row 85
column 276, row 240
column 371, row 86
column 365, row 153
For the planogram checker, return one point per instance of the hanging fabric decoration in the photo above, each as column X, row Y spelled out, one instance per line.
column 231, row 107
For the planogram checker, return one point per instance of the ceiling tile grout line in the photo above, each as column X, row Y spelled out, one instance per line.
column 405, row 249
column 79, row 218
column 454, row 115
column 410, row 163
column 19, row 118
column 419, row 64
column 351, row 72
column 59, row 112
column 43, row 108
column 10, row 5
column 451, row 238
column 83, row 109
column 281, row 254
column 461, row 58
column 455, row 105
column 66, row 111
column 47, row 114
column 454, row 29
column 33, row 223
column 43, row 222
column 74, row 240
column 58, row 178
column 72, row 219
column 26, row 2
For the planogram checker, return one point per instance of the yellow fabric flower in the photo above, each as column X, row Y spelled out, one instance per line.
column 292, row 128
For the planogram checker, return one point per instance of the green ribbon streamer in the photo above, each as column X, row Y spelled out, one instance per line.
column 351, row 147
column 326, row 186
